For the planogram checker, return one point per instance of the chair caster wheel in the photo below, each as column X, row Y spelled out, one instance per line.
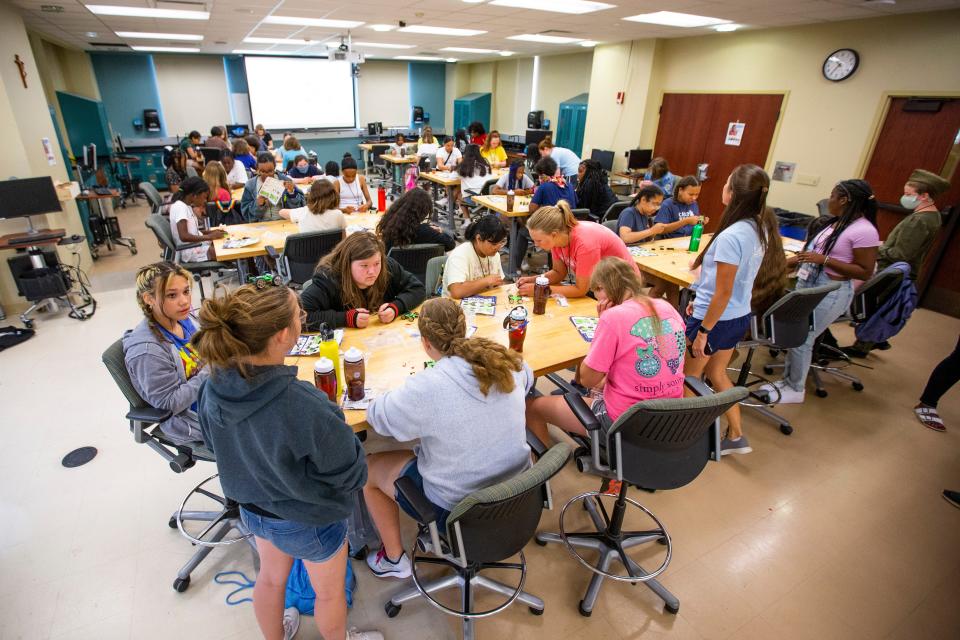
column 786, row 429
column 540, row 543
column 172, row 522
column 28, row 324
column 362, row 436
column 767, row 369
column 536, row 612
column 391, row 609
column 821, row 393
column 180, row 584
column 857, row 386
column 662, row 541
column 673, row 610
column 584, row 612
column 133, row 251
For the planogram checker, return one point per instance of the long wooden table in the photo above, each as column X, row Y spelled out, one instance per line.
column 394, row 353
column 521, row 209
column 398, row 163
column 450, row 180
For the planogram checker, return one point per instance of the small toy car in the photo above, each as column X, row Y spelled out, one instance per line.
column 264, row 281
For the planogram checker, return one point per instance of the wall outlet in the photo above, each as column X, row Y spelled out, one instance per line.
column 807, row 179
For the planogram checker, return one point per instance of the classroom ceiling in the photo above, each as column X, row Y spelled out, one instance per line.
column 231, row 22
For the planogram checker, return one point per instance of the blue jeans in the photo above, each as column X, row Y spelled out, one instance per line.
column 824, row 314
column 412, row 471
column 297, row 539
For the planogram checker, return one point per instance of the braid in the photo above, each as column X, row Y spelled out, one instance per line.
column 154, row 279
column 591, row 190
column 861, row 203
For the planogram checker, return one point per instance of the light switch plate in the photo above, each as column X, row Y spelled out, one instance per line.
column 807, row 179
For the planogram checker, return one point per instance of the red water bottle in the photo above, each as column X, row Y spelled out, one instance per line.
column 381, row 199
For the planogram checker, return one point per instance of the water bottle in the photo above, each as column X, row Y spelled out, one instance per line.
column 695, row 236
column 381, row 199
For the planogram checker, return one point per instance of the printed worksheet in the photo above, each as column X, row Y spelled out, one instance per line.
column 586, row 326
column 272, row 190
column 641, row 252
column 479, row 305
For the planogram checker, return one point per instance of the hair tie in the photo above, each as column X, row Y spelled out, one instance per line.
column 763, row 190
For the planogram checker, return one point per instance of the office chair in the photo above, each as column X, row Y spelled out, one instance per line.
column 152, row 195
column 477, row 210
column 171, row 252
column 414, row 257
column 217, row 216
column 656, row 444
column 822, row 210
column 145, row 425
column 380, row 168
column 784, row 325
column 614, row 210
column 582, row 214
column 434, row 275
column 484, row 529
column 192, row 172
column 301, row 253
column 613, row 225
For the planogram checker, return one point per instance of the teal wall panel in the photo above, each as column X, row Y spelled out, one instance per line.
column 428, row 88
column 128, row 85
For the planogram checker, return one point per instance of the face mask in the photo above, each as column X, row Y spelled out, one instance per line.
column 909, row 202
column 302, row 167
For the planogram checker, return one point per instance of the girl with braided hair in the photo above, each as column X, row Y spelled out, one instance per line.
column 467, row 412
column 843, row 251
column 593, row 189
column 163, row 364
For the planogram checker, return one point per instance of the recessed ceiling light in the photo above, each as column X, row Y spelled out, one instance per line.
column 474, row 1
column 168, row 49
column 536, row 37
column 556, row 6
column 91, row 34
column 451, row 59
column 674, row 19
column 441, row 31
column 313, row 22
column 506, row 54
column 142, row 35
column 468, row 50
column 382, row 27
column 256, row 40
column 146, row 12
column 726, row 27
column 258, row 52
column 588, row 43
column 421, row 58
column 383, row 45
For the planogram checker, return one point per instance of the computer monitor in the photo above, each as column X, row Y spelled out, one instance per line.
column 211, row 153
column 639, row 158
column 534, row 136
column 605, row 158
column 238, row 130
column 28, row 197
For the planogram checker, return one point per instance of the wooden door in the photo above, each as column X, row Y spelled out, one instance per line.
column 692, row 131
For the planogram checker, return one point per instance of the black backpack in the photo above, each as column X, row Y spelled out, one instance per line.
column 10, row 336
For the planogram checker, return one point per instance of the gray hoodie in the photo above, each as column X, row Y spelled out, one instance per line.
column 157, row 373
column 468, row 441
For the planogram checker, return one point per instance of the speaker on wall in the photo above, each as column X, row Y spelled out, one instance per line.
column 535, row 120
column 418, row 115
column 151, row 120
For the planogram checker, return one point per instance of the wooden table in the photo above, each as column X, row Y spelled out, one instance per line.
column 521, row 209
column 633, row 176
column 450, row 181
column 393, row 351
column 398, row 162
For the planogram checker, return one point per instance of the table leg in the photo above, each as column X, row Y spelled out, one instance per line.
column 515, row 258
column 107, row 234
column 398, row 178
column 133, row 189
column 242, row 271
column 451, row 210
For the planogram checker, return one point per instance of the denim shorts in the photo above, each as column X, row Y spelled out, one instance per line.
column 297, row 539
column 724, row 335
column 413, row 472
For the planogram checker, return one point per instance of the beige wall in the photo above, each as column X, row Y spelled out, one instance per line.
column 457, row 84
column 193, row 93
column 384, row 93
column 561, row 78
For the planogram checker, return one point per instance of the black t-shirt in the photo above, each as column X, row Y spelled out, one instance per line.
column 266, row 137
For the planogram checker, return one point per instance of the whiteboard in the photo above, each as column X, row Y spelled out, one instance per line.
column 301, row 93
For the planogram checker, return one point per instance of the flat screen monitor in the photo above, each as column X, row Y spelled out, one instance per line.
column 605, row 158
column 534, row 136
column 238, row 130
column 639, row 158
column 211, row 153
column 28, row 197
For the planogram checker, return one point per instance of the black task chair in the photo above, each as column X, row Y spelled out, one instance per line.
column 614, row 210
column 217, row 215
column 383, row 172
column 171, row 252
column 414, row 257
column 613, row 225
column 301, row 253
column 483, row 530
column 656, row 444
column 145, row 426
column 152, row 195
column 582, row 214
column 434, row 276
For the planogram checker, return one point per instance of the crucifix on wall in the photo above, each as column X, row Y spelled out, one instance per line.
column 20, row 65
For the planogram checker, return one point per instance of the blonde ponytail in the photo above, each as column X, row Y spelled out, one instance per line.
column 558, row 219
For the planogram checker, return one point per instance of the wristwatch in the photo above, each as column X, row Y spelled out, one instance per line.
column 702, row 329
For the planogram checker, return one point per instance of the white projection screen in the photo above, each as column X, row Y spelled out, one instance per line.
column 300, row 93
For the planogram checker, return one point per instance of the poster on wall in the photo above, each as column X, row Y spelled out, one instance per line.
column 734, row 134
column 48, row 151
column 783, row 171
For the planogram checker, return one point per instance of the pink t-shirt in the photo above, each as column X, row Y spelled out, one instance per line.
column 859, row 235
column 640, row 363
column 589, row 243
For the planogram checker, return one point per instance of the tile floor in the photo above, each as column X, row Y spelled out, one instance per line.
column 837, row 531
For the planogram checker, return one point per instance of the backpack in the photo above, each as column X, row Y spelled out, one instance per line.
column 410, row 182
column 300, row 593
column 10, row 336
column 893, row 312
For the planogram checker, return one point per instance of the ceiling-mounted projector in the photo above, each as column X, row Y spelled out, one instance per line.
column 354, row 57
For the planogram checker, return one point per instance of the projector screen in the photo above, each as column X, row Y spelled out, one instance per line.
column 300, row 93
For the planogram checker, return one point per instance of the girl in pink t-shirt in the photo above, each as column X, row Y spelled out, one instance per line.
column 636, row 353
column 576, row 247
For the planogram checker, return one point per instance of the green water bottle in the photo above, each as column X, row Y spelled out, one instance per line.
column 695, row 236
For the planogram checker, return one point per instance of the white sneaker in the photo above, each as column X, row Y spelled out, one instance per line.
column 353, row 634
column 786, row 394
column 291, row 622
column 383, row 568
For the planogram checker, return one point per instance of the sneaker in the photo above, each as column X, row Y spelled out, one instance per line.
column 353, row 634
column 740, row 445
column 854, row 352
column 291, row 622
column 929, row 417
column 953, row 497
column 382, row 567
column 787, row 395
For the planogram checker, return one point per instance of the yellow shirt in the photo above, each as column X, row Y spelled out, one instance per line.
column 494, row 155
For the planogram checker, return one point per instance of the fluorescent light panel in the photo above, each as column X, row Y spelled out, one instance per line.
column 312, row 22
column 168, row 49
column 726, row 27
column 383, row 45
column 506, row 54
column 468, row 50
column 141, row 35
column 256, row 40
column 674, row 19
column 382, row 27
column 146, row 12
column 421, row 58
column 588, row 43
column 578, row 7
column 536, row 37
column 259, row 52
column 441, row 31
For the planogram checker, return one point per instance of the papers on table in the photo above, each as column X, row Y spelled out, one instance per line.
column 479, row 305
column 586, row 326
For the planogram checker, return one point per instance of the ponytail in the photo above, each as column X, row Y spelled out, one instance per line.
column 442, row 323
column 557, row 219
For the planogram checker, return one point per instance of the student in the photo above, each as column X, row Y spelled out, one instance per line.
column 944, row 375
column 474, row 173
column 190, row 148
column 476, row 133
column 321, row 212
column 218, row 139
column 515, row 179
column 242, row 154
column 331, row 170
column 216, row 178
column 265, row 137
column 427, row 145
column 553, row 186
column 164, row 367
column 257, row 147
column 593, row 189
column 567, row 161
column 188, row 202
column 659, row 173
column 681, row 212
column 636, row 354
column 303, row 172
column 576, row 247
column 357, row 280
column 845, row 250
column 466, row 412
column 448, row 157
column 177, row 171
column 405, row 223
column 635, row 223
column 399, row 146
column 719, row 316
column 255, row 207
column 351, row 187
column 236, row 173
column 475, row 265
column 493, row 151
column 291, row 149
column 283, row 452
